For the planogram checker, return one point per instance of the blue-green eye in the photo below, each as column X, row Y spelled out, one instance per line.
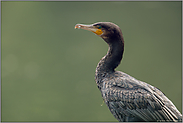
column 99, row 27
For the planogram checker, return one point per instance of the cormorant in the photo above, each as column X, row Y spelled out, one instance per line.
column 127, row 98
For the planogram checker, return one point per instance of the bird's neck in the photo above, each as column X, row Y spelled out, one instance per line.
column 111, row 60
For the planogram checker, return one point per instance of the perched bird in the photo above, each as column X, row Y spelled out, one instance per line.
column 127, row 98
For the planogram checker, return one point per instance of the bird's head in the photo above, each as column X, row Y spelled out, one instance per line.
column 106, row 30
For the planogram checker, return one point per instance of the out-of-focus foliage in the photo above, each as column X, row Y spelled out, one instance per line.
column 48, row 67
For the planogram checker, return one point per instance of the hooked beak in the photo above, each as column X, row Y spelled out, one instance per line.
column 89, row 28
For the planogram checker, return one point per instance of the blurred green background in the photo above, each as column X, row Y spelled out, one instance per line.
column 48, row 67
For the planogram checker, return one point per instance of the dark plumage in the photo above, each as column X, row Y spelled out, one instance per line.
column 127, row 98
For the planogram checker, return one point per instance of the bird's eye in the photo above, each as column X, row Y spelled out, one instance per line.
column 99, row 27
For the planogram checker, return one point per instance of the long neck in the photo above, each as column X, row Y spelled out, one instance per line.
column 112, row 59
